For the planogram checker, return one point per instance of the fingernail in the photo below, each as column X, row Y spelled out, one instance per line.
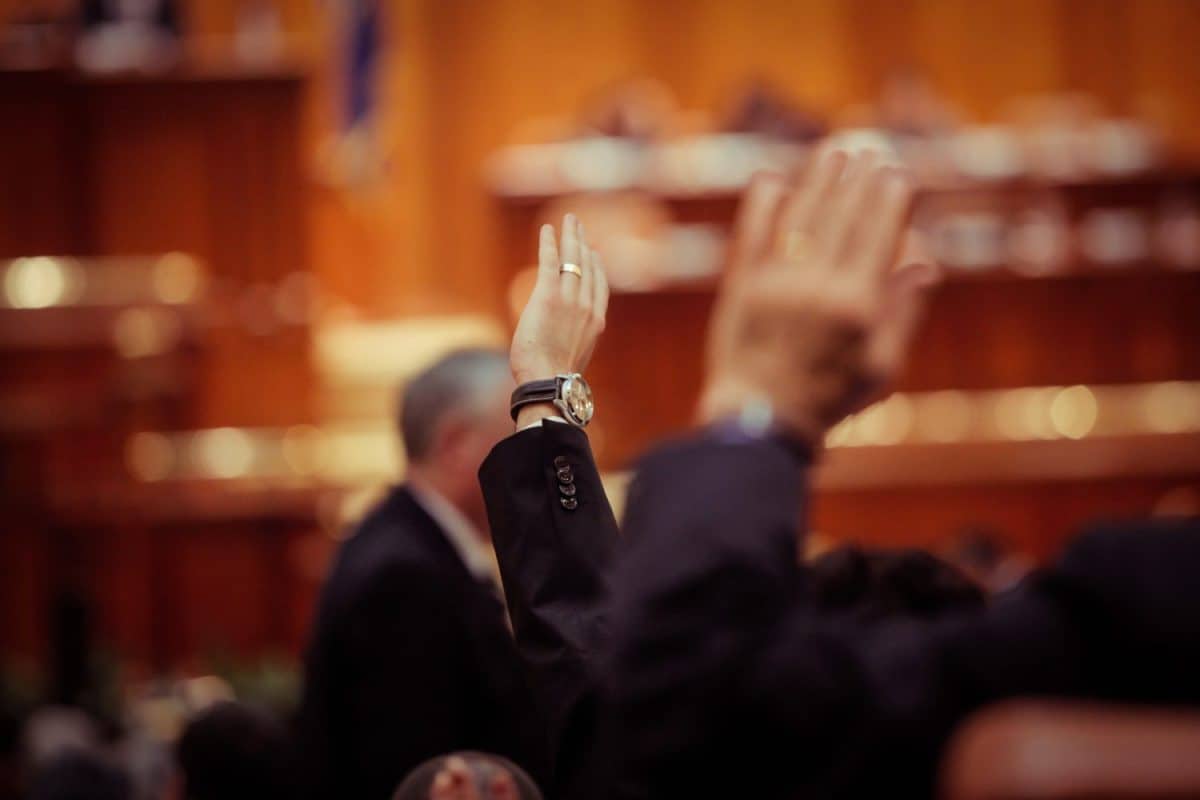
column 569, row 219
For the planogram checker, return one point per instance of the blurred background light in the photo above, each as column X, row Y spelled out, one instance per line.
column 40, row 282
column 944, row 416
column 1073, row 411
column 177, row 278
column 142, row 332
column 149, row 456
column 1172, row 407
column 224, row 452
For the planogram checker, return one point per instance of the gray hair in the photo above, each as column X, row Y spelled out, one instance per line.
column 454, row 383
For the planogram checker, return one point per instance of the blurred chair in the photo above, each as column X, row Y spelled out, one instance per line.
column 1029, row 750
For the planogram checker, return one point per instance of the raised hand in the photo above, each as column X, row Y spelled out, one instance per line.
column 564, row 317
column 819, row 304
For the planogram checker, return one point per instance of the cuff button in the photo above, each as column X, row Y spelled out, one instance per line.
column 567, row 489
column 565, row 475
column 560, row 462
column 569, row 503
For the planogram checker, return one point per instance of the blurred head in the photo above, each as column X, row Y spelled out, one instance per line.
column 981, row 552
column 64, row 757
column 887, row 584
column 232, row 751
column 451, row 415
column 467, row 776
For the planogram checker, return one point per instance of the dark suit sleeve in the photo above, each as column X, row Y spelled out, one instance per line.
column 718, row 660
column 708, row 569
column 554, row 534
column 409, row 690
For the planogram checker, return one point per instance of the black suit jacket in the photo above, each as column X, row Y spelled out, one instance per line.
column 410, row 658
column 555, row 537
column 725, row 683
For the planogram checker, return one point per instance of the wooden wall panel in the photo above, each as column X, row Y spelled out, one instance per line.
column 123, row 567
column 486, row 69
column 212, row 169
column 147, row 187
column 460, row 76
column 24, row 590
column 227, row 592
column 40, row 189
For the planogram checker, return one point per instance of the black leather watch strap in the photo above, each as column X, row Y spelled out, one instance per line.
column 543, row 391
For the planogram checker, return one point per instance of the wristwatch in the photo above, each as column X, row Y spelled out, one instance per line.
column 570, row 393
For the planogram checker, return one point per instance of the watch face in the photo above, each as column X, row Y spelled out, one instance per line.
column 577, row 396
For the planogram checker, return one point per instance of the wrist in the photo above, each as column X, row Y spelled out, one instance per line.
column 534, row 413
column 536, row 372
column 749, row 407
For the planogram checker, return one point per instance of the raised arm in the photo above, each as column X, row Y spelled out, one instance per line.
column 725, row 682
column 552, row 526
column 814, row 317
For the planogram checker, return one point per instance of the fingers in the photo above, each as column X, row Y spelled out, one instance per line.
column 754, row 230
column 884, row 222
column 916, row 252
column 845, row 207
column 811, row 197
column 547, row 274
column 569, row 252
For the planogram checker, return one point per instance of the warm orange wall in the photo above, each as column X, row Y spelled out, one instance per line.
column 491, row 66
column 462, row 74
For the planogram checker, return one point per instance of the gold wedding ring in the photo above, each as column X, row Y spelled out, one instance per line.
column 571, row 268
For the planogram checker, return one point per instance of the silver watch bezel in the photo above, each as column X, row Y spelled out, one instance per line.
column 560, row 398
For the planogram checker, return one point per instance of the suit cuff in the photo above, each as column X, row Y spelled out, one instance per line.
column 538, row 424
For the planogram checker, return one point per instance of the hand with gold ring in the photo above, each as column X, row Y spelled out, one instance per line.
column 564, row 317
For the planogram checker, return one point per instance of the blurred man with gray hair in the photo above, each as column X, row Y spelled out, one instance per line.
column 410, row 656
